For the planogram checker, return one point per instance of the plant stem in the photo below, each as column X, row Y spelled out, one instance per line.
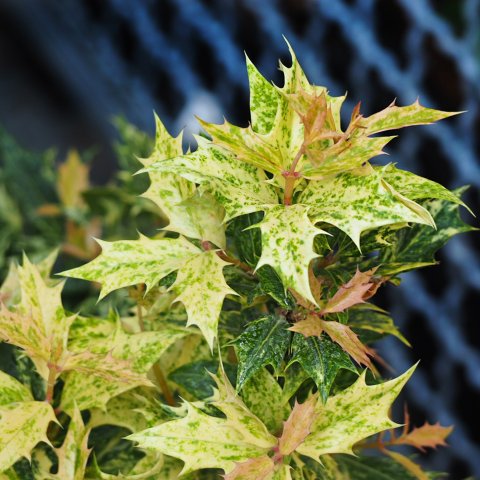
column 291, row 176
column 157, row 371
column 207, row 246
column 52, row 377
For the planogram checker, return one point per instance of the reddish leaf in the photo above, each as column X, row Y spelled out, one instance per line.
column 339, row 333
column 297, row 427
column 355, row 291
column 426, row 436
column 254, row 469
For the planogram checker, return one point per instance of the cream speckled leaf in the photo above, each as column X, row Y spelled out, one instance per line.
column 355, row 202
column 264, row 397
column 264, row 100
column 177, row 196
column 201, row 287
column 22, row 426
column 232, row 177
column 39, row 324
column 287, row 245
column 74, row 452
column 352, row 415
column 90, row 388
column 11, row 390
column 394, row 117
column 415, row 187
column 202, row 441
column 346, row 156
column 129, row 262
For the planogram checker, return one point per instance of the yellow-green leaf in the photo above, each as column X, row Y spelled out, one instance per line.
column 287, row 246
column 394, row 117
column 355, row 202
column 352, row 415
column 11, row 390
column 201, row 287
column 22, row 426
column 130, row 262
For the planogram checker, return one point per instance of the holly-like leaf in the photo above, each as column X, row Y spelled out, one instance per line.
column 415, row 187
column 203, row 441
column 11, row 390
column 264, row 397
column 22, row 426
column 298, row 426
column 39, row 324
column 355, row 202
column 177, row 197
column 394, row 117
column 351, row 293
column 342, row 157
column 264, row 100
column 264, row 342
column 130, row 262
column 353, row 414
column 201, row 288
column 114, row 365
column 74, row 452
column 241, row 188
column 287, row 246
column 419, row 243
column 426, row 436
column 321, row 359
column 259, row 468
column 339, row 333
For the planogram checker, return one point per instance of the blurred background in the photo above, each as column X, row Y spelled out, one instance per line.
column 68, row 68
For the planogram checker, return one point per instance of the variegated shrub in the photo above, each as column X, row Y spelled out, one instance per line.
column 247, row 351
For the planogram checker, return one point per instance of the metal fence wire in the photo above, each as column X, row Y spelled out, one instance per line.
column 185, row 57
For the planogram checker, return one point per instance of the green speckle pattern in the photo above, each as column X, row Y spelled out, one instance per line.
column 394, row 117
column 287, row 245
column 264, row 342
column 130, row 262
column 355, row 202
column 352, row 415
column 22, row 426
column 201, row 287
column 11, row 390
column 321, row 359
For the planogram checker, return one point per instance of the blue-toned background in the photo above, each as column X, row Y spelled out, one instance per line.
column 68, row 66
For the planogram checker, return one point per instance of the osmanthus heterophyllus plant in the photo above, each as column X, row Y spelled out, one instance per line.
column 278, row 235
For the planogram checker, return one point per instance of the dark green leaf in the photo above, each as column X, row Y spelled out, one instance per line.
column 247, row 242
column 271, row 284
column 419, row 243
column 264, row 342
column 321, row 359
column 195, row 379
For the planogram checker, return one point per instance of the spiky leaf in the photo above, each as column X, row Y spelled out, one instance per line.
column 264, row 342
column 22, row 426
column 321, row 359
column 287, row 245
column 355, row 202
column 203, row 441
column 353, row 414
column 11, row 390
column 201, row 288
column 394, row 117
column 130, row 262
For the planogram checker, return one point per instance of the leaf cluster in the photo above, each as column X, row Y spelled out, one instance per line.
column 250, row 322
